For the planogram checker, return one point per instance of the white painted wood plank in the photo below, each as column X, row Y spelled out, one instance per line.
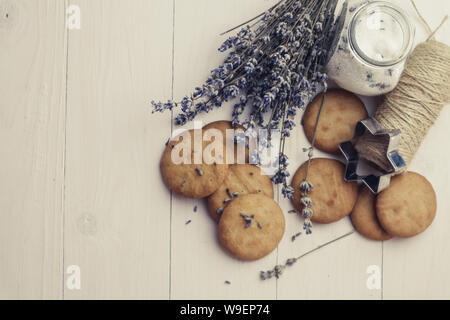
column 117, row 208
column 32, row 91
column 418, row 268
column 199, row 265
column 337, row 271
column 410, row 268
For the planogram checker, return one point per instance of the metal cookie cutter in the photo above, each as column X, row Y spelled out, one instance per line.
column 376, row 183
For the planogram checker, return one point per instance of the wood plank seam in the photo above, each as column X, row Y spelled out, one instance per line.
column 171, row 132
column 65, row 149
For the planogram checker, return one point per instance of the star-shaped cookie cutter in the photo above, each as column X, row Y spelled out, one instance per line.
column 376, row 183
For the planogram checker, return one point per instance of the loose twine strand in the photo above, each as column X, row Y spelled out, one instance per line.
column 415, row 104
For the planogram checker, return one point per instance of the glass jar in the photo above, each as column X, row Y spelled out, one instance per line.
column 374, row 45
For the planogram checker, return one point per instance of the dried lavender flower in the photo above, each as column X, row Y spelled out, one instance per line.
column 306, row 186
column 278, row 270
column 307, row 213
column 306, row 201
column 307, row 225
column 248, row 220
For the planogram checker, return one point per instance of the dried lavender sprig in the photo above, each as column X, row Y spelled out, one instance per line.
column 306, row 187
column 278, row 270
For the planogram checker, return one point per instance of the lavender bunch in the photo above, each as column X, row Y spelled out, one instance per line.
column 275, row 66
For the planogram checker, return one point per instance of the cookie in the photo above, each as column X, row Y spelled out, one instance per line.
column 251, row 227
column 364, row 217
column 242, row 179
column 223, row 126
column 194, row 174
column 408, row 206
column 341, row 112
column 332, row 197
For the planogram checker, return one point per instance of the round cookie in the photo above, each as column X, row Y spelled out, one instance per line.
column 186, row 178
column 341, row 112
column 332, row 197
column 251, row 241
column 408, row 206
column 364, row 217
column 242, row 179
column 223, row 126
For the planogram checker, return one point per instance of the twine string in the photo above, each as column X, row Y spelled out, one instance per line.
column 437, row 29
column 421, row 17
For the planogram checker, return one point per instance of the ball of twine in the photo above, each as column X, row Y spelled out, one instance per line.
column 413, row 106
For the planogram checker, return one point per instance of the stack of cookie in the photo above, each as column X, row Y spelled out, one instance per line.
column 405, row 209
column 240, row 196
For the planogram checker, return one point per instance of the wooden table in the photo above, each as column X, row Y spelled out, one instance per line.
column 79, row 156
